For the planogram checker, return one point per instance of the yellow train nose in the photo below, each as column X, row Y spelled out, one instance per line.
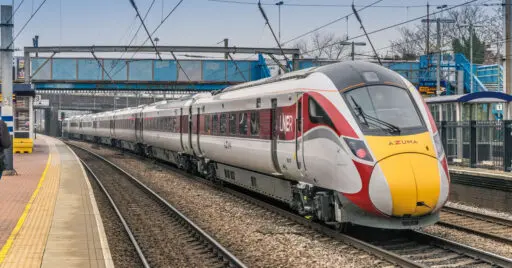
column 413, row 181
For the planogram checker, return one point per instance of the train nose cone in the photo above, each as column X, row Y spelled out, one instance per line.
column 405, row 184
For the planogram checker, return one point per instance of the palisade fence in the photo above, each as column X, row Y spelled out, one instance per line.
column 478, row 144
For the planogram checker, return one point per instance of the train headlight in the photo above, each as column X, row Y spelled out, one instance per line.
column 359, row 149
column 439, row 145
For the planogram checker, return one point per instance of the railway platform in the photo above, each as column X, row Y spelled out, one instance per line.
column 48, row 214
column 484, row 178
column 481, row 172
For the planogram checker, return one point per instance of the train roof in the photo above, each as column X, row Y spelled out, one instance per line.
column 349, row 73
column 343, row 75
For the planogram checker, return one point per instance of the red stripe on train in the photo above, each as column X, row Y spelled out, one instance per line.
column 343, row 128
column 362, row 198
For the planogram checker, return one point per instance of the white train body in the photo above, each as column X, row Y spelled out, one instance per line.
column 349, row 142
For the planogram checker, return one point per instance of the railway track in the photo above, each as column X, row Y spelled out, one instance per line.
column 432, row 251
column 405, row 249
column 162, row 236
column 495, row 228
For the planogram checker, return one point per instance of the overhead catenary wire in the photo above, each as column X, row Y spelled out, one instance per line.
column 364, row 29
column 329, row 23
column 16, row 10
column 335, row 5
column 390, row 26
column 237, row 68
column 159, row 25
column 101, row 65
column 134, row 36
column 26, row 23
column 273, row 34
column 140, row 25
column 145, row 28
column 128, row 30
column 416, row 40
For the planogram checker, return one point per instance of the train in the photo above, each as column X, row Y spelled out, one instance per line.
column 349, row 143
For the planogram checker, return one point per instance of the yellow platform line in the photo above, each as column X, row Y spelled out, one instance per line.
column 5, row 249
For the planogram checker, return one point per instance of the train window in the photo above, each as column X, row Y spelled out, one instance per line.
column 214, row 124
column 222, row 124
column 255, row 123
column 242, row 123
column 207, row 124
column 317, row 115
column 232, row 123
column 383, row 109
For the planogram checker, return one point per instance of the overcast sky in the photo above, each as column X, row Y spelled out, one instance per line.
column 205, row 23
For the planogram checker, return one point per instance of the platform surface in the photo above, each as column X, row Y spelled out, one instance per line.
column 481, row 172
column 50, row 217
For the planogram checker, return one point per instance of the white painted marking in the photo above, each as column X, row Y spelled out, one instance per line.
column 107, row 257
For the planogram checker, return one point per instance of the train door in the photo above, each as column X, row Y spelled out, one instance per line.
column 111, row 120
column 299, row 133
column 138, row 127
column 274, row 134
column 190, row 129
column 181, row 129
column 198, row 129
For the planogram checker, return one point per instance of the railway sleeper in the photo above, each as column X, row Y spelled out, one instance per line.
column 313, row 203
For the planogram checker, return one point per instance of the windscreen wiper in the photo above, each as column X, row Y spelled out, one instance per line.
column 388, row 126
column 360, row 111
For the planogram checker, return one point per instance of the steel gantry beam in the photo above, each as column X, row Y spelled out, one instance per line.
column 175, row 49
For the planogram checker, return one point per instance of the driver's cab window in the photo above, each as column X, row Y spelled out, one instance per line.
column 317, row 115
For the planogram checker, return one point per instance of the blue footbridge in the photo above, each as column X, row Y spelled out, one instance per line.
column 190, row 75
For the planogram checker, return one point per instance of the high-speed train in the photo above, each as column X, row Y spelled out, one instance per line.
column 350, row 142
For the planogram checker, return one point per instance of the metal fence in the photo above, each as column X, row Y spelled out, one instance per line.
column 478, row 144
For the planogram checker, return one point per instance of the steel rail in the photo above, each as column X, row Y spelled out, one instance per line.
column 218, row 248
column 121, row 218
column 480, row 217
column 357, row 243
column 475, row 232
column 460, row 248
column 386, row 255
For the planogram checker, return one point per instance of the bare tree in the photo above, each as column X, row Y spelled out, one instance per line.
column 323, row 46
column 413, row 39
column 410, row 45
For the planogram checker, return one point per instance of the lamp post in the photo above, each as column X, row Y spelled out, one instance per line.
column 156, row 44
column 438, row 22
column 471, row 28
column 279, row 4
column 35, row 43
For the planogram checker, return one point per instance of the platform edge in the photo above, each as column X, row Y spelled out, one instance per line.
column 99, row 222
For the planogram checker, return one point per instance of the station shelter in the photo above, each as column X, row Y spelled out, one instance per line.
column 473, row 127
